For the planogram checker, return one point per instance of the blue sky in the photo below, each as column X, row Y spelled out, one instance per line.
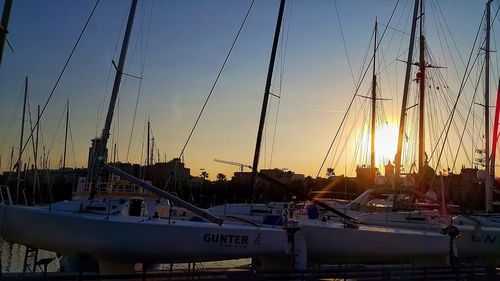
column 188, row 41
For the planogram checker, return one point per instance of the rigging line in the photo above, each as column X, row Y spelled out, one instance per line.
column 60, row 75
column 466, row 102
column 496, row 14
column 358, row 141
column 465, row 125
column 216, row 79
column 282, row 71
column 334, row 153
column 356, row 90
column 133, row 120
column 143, row 57
column 72, row 145
column 111, row 67
column 344, row 42
column 436, row 20
column 349, row 133
column 465, row 78
column 12, row 119
column 122, row 89
column 382, row 53
column 31, row 126
column 354, row 95
column 436, row 3
column 55, row 134
column 459, row 93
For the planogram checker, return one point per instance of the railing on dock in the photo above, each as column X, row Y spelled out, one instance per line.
column 361, row 272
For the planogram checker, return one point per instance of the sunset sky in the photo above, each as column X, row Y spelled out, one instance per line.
column 188, row 41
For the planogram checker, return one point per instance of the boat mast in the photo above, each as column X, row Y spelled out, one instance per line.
column 35, row 177
column 495, row 134
column 488, row 184
column 405, row 92
column 266, row 95
column 66, row 135
column 100, row 151
column 421, row 103
column 21, row 141
column 374, row 102
column 11, row 158
column 147, row 146
column 4, row 24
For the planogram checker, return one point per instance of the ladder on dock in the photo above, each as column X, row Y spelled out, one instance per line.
column 30, row 260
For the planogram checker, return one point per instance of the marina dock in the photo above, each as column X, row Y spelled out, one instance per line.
column 360, row 272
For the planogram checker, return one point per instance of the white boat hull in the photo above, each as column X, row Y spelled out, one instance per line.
column 330, row 241
column 472, row 244
column 136, row 239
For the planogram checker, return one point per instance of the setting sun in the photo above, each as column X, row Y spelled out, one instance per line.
column 386, row 141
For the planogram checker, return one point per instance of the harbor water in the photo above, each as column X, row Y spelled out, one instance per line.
column 12, row 260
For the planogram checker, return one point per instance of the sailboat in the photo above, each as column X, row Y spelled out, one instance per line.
column 359, row 243
column 478, row 233
column 120, row 232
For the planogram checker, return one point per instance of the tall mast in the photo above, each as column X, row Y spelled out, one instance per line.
column 405, row 92
column 4, row 25
column 35, row 177
column 147, row 146
column 151, row 152
column 66, row 135
column 488, row 185
column 495, row 134
column 21, row 141
column 119, row 72
column 374, row 102
column 266, row 93
column 421, row 103
column 99, row 146
column 11, row 158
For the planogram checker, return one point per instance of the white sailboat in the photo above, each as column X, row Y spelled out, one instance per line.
column 329, row 240
column 68, row 229
column 120, row 232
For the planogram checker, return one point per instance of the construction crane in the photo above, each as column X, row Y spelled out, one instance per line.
column 234, row 164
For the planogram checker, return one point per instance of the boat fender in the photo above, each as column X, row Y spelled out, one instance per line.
column 312, row 211
column 451, row 231
column 196, row 219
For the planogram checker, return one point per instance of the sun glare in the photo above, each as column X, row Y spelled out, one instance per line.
column 386, row 142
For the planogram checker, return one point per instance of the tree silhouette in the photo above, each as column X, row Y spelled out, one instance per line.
column 330, row 173
column 204, row 175
column 221, row 177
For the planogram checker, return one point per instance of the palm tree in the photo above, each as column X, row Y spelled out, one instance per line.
column 221, row 177
column 204, row 175
column 330, row 173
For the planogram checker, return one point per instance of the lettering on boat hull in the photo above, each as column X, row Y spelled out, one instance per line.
column 486, row 239
column 227, row 240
